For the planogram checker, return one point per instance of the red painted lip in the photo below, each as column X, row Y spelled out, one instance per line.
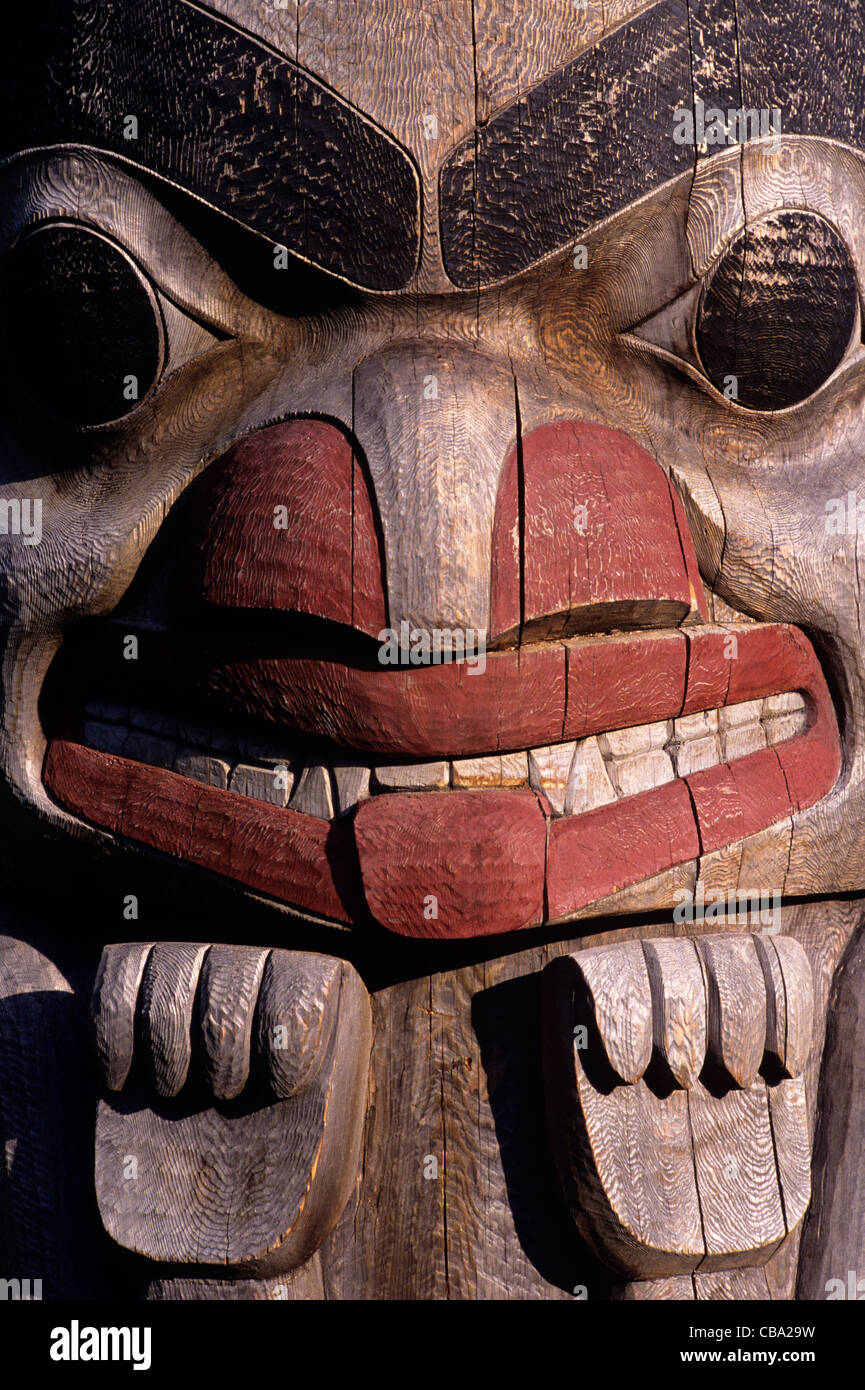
column 471, row 863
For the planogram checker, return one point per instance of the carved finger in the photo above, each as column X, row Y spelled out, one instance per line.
column 723, row 1170
column 737, row 1005
column 228, row 991
column 798, row 1003
column 298, row 1006
column 618, row 984
column 165, row 1005
column 679, row 1006
column 115, row 995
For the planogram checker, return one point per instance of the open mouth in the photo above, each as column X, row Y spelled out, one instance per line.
column 447, row 802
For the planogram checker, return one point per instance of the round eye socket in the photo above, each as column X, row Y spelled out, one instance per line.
column 82, row 329
column 778, row 311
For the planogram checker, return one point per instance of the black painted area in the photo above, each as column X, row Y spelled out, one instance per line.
column 225, row 118
column 806, row 57
column 594, row 137
column 582, row 145
column 778, row 311
column 79, row 320
column 713, row 31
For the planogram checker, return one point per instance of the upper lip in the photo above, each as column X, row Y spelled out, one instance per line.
column 527, row 697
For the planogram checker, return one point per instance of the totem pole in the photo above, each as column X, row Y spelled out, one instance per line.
column 432, row 759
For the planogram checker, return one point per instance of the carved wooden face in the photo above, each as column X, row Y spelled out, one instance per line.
column 445, row 461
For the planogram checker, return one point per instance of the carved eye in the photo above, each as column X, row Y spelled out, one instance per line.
column 778, row 311
column 83, row 333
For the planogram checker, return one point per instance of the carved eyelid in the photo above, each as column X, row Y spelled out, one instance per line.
column 82, row 187
column 674, row 331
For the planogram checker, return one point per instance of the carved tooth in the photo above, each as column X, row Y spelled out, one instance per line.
column 206, row 738
column 154, row 723
column 642, row 738
column 737, row 1005
column 298, row 1007
column 588, row 783
column 112, row 1008
column 784, row 716
column 259, row 750
column 351, row 784
column 200, row 767
column 107, row 713
column 698, row 744
column 784, row 727
column 228, row 990
column 107, row 738
column 413, row 777
column 618, row 984
column 261, row 783
column 697, row 754
column 747, row 738
column 644, row 771
column 748, row 712
column 313, row 795
column 791, row 702
column 499, row 770
column 549, row 768
column 696, row 726
column 165, row 1004
column 147, row 748
column 679, row 1004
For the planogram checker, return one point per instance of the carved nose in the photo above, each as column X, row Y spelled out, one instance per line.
column 589, row 535
column 435, row 424
column 579, row 530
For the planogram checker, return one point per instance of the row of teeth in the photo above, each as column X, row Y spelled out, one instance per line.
column 575, row 777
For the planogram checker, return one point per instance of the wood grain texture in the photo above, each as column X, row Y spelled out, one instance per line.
column 737, row 1006
column 422, row 857
column 678, row 1008
column 324, row 172
column 609, row 566
column 285, row 521
column 229, row 989
column 485, row 238
column 642, row 1219
column 167, row 996
column 618, row 984
column 113, row 1006
column 47, row 1229
column 255, row 1185
column 458, row 1054
column 735, row 1157
column 456, row 1074
column 834, row 1237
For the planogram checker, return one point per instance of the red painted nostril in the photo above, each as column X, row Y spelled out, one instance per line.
column 588, row 535
column 285, row 521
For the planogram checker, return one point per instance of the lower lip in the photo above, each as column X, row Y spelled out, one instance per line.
column 476, row 863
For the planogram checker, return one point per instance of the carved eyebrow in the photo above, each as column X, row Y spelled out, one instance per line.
column 596, row 136
column 223, row 117
column 580, row 146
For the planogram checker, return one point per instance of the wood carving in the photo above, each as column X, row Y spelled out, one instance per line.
column 431, row 450
column 676, row 1152
column 183, row 1175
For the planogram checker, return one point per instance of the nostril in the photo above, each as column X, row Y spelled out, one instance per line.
column 285, row 521
column 589, row 535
